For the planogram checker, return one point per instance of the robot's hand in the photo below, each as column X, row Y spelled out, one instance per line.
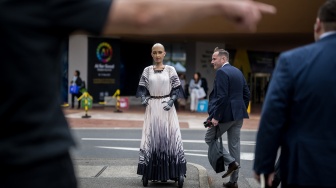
column 169, row 105
column 144, row 100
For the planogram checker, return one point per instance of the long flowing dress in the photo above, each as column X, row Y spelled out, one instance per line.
column 161, row 149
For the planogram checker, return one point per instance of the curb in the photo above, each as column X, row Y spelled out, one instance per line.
column 203, row 175
column 98, row 166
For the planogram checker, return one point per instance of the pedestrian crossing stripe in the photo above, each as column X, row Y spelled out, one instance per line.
column 243, row 155
column 247, row 143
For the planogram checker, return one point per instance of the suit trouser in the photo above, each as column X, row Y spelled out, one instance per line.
column 233, row 136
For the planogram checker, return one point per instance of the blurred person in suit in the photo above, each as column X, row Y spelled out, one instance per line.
column 299, row 112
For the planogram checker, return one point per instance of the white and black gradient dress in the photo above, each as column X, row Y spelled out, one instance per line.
column 161, row 149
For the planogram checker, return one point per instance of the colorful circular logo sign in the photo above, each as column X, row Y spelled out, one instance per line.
column 104, row 52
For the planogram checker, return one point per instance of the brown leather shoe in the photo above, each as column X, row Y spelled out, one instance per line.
column 232, row 167
column 230, row 185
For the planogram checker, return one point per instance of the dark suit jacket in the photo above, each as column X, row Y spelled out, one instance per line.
column 230, row 96
column 299, row 115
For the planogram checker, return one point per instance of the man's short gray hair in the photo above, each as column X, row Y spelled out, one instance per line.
column 222, row 52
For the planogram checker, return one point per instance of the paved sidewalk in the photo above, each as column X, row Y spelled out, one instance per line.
column 100, row 173
column 106, row 117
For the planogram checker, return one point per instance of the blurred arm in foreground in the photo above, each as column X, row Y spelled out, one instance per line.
column 162, row 16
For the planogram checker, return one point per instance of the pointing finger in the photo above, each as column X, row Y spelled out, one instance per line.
column 266, row 8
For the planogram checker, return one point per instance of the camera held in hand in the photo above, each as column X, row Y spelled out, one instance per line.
column 207, row 124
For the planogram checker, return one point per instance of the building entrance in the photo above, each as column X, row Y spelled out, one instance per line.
column 258, row 86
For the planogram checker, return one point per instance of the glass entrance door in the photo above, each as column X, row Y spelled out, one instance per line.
column 258, row 86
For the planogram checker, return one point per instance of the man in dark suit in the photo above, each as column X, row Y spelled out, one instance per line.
column 228, row 102
column 299, row 111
